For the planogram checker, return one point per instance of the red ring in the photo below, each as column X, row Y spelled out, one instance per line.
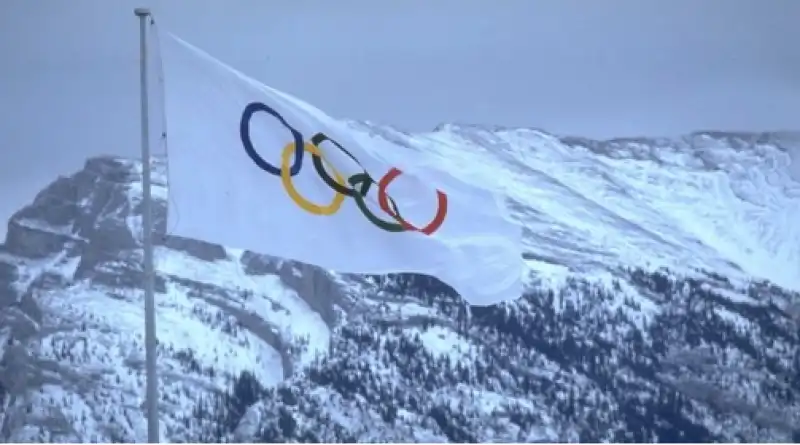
column 441, row 211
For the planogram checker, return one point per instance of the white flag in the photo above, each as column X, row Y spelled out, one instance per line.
column 252, row 167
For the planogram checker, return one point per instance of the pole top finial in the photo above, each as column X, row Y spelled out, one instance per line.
column 142, row 12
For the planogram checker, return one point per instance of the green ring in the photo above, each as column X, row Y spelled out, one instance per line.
column 362, row 205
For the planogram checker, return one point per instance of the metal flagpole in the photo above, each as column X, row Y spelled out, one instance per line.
column 147, row 242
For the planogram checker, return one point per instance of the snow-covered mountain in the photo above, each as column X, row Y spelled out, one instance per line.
column 661, row 305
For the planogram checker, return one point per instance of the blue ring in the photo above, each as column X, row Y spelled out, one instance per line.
column 244, row 132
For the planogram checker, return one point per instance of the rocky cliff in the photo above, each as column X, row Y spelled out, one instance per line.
column 72, row 314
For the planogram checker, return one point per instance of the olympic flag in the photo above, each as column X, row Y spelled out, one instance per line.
column 252, row 167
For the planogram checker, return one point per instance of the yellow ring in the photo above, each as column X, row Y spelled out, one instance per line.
column 305, row 204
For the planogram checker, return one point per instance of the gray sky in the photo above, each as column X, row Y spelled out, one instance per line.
column 600, row 68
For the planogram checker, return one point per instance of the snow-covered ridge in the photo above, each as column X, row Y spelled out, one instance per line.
column 71, row 346
column 728, row 202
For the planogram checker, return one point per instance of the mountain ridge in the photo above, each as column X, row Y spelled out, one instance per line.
column 604, row 345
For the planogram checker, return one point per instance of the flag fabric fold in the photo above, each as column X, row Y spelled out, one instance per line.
column 252, row 167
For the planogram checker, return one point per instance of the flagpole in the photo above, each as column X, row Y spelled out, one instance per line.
column 147, row 243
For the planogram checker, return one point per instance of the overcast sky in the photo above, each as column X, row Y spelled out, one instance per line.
column 601, row 68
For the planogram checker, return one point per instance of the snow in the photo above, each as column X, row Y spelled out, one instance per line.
column 92, row 341
column 401, row 310
column 443, row 341
column 45, row 227
column 732, row 317
column 295, row 319
column 679, row 206
column 30, row 269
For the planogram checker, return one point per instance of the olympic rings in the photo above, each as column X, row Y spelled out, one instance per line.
column 356, row 186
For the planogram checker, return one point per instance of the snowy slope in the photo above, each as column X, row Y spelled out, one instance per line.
column 602, row 346
column 723, row 202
